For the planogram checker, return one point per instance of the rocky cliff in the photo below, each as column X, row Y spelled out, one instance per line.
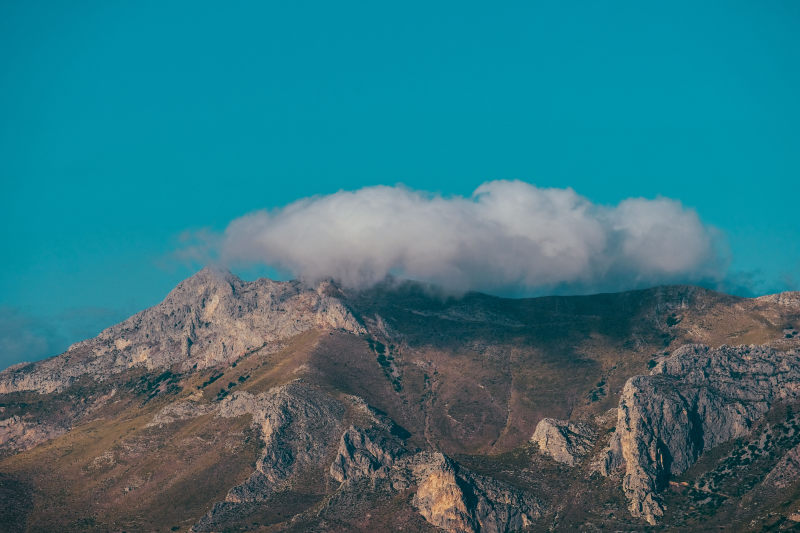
column 693, row 401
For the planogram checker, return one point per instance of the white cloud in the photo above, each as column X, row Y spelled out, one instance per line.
column 509, row 236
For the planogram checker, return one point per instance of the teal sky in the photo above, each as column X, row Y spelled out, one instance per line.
column 125, row 124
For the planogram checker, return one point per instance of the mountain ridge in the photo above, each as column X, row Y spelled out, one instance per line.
column 222, row 278
column 400, row 375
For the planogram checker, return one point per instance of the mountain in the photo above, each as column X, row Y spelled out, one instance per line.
column 274, row 406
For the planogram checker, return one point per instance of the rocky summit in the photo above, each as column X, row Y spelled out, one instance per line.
column 279, row 406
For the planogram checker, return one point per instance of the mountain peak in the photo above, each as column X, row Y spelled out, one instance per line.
column 207, row 281
column 212, row 275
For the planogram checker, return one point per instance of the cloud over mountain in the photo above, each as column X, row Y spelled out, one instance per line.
column 508, row 236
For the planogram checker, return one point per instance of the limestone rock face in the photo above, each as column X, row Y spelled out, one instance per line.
column 564, row 441
column 458, row 500
column 447, row 495
column 367, row 454
column 691, row 402
column 297, row 423
column 209, row 319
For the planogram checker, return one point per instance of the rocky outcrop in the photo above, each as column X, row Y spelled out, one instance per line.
column 446, row 495
column 297, row 423
column 209, row 319
column 458, row 500
column 368, row 454
column 19, row 433
column 691, row 402
column 183, row 410
column 564, row 441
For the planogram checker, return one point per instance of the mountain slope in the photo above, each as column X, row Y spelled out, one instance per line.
column 268, row 405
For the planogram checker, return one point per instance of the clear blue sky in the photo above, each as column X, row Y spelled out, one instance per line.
column 123, row 124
